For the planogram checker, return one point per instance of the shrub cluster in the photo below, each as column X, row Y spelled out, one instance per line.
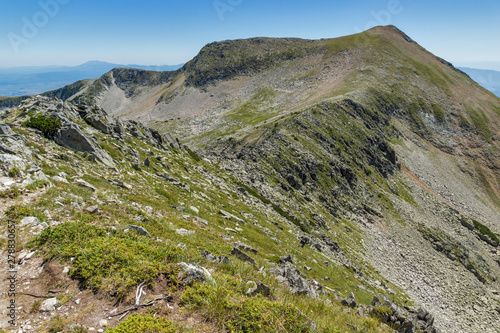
column 48, row 126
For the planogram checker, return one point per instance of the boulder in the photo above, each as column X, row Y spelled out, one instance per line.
column 71, row 136
column 98, row 123
column 296, row 281
column 10, row 161
column 6, row 130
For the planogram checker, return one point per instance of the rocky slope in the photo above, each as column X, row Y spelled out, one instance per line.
column 373, row 162
column 106, row 210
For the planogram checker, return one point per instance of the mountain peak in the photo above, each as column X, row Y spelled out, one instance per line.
column 390, row 30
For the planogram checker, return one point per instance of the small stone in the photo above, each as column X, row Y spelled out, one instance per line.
column 287, row 258
column 260, row 288
column 60, row 179
column 119, row 183
column 208, row 256
column 66, row 270
column 200, row 220
column 247, row 248
column 77, row 302
column 184, row 232
column 190, row 273
column 140, row 230
column 30, row 220
column 194, row 209
column 307, row 268
column 103, row 323
column 350, row 301
column 242, row 256
column 85, row 184
column 182, row 246
column 92, row 209
column 48, row 305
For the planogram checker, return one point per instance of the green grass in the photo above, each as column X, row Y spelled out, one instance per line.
column 485, row 230
column 146, row 323
column 104, row 259
column 438, row 113
column 225, row 303
column 480, row 122
column 464, row 122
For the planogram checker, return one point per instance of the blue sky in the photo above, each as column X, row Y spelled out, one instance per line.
column 153, row 32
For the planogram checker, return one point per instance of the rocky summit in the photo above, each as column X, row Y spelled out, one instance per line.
column 269, row 185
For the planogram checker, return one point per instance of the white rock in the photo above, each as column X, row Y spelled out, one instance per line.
column 48, row 305
column 184, row 232
column 60, row 179
column 30, row 220
column 194, row 209
column 103, row 323
column 7, row 181
column 66, row 270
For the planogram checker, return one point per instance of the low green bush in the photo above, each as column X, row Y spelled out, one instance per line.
column 106, row 260
column 48, row 126
column 146, row 324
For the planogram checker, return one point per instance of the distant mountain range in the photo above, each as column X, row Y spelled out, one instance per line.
column 487, row 78
column 19, row 81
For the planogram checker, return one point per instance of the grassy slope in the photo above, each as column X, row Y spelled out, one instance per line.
column 106, row 259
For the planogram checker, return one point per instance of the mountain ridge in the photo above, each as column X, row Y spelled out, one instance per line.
column 17, row 81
